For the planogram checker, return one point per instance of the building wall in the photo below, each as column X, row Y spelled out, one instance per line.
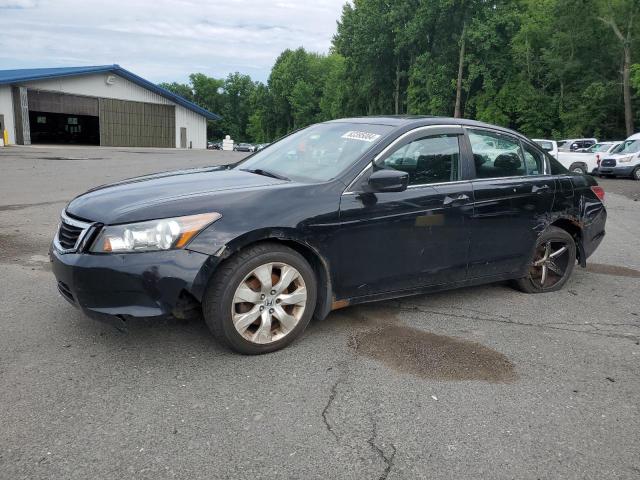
column 95, row 85
column 6, row 109
column 196, row 127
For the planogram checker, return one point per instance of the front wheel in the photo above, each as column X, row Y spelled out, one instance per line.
column 636, row 174
column 552, row 264
column 261, row 299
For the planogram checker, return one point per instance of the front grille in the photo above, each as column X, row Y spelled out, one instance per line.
column 65, row 291
column 68, row 235
column 609, row 162
column 71, row 234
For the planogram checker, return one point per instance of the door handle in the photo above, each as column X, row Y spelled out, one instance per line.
column 448, row 200
column 537, row 189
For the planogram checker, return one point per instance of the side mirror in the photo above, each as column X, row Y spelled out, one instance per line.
column 388, row 181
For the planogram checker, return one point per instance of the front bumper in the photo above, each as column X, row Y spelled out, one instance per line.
column 146, row 284
column 619, row 171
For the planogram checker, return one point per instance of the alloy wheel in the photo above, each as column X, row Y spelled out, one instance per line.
column 550, row 264
column 636, row 173
column 269, row 303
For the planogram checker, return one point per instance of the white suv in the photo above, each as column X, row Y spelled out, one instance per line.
column 624, row 161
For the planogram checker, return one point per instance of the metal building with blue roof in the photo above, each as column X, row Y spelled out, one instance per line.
column 97, row 105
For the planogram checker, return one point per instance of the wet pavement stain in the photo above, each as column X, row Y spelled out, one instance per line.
column 614, row 270
column 16, row 249
column 427, row 355
column 21, row 206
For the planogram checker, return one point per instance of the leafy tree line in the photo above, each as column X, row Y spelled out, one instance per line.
column 548, row 68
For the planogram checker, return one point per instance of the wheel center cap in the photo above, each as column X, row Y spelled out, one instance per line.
column 268, row 302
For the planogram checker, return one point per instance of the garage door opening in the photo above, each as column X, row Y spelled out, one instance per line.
column 63, row 128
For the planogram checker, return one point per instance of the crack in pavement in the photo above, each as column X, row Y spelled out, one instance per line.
column 388, row 460
column 325, row 410
column 501, row 319
column 344, row 367
column 371, row 441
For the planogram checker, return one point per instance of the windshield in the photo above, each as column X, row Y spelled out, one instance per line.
column 630, row 146
column 317, row 153
column 599, row 147
column 546, row 146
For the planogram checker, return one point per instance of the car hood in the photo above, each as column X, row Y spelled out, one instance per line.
column 164, row 195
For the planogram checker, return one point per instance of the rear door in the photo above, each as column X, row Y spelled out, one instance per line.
column 512, row 195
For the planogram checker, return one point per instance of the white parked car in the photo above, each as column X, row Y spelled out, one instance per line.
column 573, row 144
column 602, row 149
column 624, row 161
column 577, row 162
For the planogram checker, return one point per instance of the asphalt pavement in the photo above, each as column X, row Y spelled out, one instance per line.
column 482, row 382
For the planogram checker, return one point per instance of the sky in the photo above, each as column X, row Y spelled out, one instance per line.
column 163, row 40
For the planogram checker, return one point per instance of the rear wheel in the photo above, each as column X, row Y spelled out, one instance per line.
column 261, row 300
column 552, row 264
column 636, row 174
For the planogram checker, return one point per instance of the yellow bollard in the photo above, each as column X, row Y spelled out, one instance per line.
column 5, row 137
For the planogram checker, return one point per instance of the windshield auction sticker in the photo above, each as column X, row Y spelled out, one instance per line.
column 362, row 136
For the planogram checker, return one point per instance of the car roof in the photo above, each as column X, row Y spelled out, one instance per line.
column 635, row 136
column 415, row 121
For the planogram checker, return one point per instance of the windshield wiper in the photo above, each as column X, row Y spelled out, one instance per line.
column 266, row 173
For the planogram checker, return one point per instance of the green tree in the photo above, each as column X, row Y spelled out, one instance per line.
column 620, row 15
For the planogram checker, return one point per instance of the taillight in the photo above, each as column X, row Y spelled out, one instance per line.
column 599, row 191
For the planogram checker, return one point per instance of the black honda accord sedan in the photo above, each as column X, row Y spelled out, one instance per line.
column 339, row 213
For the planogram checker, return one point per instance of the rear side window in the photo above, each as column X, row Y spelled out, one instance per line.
column 496, row 155
column 427, row 160
column 533, row 160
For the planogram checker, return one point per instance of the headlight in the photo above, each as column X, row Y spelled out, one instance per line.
column 163, row 234
column 626, row 159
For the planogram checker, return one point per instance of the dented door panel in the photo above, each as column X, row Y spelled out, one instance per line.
column 508, row 216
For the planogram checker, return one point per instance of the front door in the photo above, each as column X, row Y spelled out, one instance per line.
column 396, row 241
column 513, row 195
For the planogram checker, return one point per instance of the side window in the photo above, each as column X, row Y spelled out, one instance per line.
column 533, row 160
column 496, row 155
column 427, row 160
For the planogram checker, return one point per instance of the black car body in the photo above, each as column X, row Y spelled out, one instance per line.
column 362, row 244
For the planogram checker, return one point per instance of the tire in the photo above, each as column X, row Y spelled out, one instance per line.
column 548, row 244
column 577, row 168
column 224, row 299
column 636, row 174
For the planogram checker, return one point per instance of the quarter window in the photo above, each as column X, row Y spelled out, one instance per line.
column 427, row 160
column 533, row 160
column 496, row 155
